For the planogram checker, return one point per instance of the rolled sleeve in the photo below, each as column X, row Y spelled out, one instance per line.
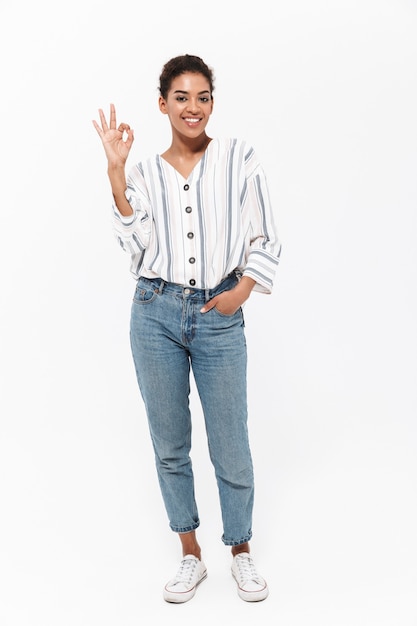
column 264, row 245
column 133, row 231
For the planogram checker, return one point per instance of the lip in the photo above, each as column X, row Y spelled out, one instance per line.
column 192, row 121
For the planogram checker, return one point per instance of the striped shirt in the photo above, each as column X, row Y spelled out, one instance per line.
column 196, row 231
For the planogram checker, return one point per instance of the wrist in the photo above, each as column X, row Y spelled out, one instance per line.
column 245, row 286
column 116, row 170
column 116, row 163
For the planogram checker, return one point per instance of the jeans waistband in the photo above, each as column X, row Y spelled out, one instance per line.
column 186, row 291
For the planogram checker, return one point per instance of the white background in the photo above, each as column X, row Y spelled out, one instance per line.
column 327, row 94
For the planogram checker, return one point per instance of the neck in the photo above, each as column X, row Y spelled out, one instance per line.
column 189, row 147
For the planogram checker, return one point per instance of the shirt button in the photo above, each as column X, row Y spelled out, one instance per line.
column 190, row 235
column 191, row 260
column 188, row 209
column 186, row 187
column 192, row 282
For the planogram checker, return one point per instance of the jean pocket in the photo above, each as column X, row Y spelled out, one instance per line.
column 230, row 315
column 145, row 293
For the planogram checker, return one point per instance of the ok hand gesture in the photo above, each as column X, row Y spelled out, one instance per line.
column 117, row 141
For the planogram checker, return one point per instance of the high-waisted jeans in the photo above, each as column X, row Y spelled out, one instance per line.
column 168, row 336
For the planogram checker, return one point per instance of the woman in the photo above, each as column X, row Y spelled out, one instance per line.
column 197, row 223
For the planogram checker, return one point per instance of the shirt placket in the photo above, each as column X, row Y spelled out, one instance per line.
column 189, row 238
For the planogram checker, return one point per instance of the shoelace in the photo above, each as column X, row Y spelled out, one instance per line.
column 185, row 572
column 246, row 569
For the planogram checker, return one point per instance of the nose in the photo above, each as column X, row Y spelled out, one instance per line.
column 193, row 105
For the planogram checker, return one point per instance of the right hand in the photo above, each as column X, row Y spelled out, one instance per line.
column 116, row 148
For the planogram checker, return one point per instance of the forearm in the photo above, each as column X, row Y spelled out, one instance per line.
column 244, row 288
column 117, row 179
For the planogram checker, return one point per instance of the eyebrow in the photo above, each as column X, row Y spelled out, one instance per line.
column 186, row 92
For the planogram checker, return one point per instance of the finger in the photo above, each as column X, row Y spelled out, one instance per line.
column 129, row 139
column 208, row 306
column 97, row 127
column 112, row 116
column 103, row 120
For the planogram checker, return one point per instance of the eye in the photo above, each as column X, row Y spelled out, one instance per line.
column 204, row 99
column 181, row 98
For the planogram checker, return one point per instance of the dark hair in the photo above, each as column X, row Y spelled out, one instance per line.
column 179, row 65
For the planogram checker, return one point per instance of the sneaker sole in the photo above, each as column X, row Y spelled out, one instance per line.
column 251, row 596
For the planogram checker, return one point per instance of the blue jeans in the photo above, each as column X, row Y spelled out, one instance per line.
column 169, row 336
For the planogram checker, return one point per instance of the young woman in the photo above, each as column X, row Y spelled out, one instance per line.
column 197, row 223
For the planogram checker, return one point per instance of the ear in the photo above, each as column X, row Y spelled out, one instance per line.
column 162, row 105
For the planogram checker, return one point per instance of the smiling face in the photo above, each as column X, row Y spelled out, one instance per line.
column 189, row 104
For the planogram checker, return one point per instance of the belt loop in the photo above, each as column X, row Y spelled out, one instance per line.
column 207, row 294
column 161, row 286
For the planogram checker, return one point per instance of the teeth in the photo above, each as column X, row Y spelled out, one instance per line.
column 191, row 120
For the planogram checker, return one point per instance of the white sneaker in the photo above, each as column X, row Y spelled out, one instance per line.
column 191, row 573
column 250, row 586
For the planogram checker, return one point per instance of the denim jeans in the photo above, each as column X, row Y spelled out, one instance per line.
column 169, row 336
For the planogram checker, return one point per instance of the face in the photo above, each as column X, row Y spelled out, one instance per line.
column 188, row 105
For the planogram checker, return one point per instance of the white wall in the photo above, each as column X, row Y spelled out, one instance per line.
column 327, row 94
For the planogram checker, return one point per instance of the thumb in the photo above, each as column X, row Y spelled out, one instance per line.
column 130, row 137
